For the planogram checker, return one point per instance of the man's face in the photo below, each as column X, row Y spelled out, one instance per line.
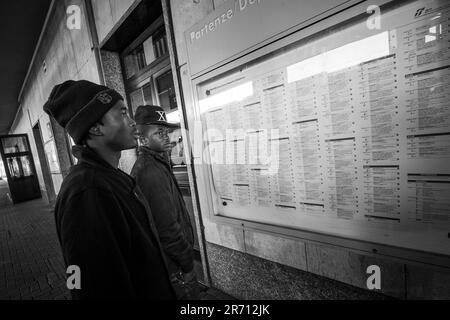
column 156, row 137
column 119, row 130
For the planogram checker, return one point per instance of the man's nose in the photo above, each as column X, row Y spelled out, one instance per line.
column 132, row 123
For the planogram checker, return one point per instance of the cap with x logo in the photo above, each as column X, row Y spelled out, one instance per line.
column 149, row 114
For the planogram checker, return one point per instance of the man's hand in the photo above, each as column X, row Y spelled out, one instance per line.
column 191, row 286
column 190, row 276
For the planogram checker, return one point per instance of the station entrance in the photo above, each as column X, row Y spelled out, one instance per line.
column 19, row 168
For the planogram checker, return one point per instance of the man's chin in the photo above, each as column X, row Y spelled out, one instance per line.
column 131, row 145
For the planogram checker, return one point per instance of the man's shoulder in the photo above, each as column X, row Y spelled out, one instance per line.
column 82, row 178
column 145, row 164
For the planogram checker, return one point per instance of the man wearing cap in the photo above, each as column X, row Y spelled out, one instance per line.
column 155, row 178
column 103, row 222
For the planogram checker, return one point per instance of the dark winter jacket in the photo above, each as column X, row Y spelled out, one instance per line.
column 154, row 176
column 105, row 227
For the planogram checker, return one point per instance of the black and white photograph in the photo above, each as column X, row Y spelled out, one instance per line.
column 222, row 155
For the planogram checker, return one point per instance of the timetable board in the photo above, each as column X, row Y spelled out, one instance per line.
column 346, row 133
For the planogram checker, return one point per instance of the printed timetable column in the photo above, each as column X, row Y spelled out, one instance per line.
column 378, row 139
column 424, row 73
column 337, row 123
column 307, row 166
column 302, row 98
column 429, row 198
column 341, row 177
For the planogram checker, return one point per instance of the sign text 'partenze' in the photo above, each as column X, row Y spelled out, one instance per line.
column 240, row 5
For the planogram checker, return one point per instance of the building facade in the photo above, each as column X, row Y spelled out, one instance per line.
column 258, row 235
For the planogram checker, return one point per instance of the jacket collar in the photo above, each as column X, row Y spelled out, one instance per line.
column 146, row 151
column 87, row 155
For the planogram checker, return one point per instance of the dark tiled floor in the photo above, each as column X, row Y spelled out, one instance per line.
column 31, row 264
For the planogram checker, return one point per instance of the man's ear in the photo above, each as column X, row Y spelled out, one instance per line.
column 95, row 130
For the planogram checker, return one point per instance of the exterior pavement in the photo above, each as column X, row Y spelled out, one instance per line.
column 31, row 263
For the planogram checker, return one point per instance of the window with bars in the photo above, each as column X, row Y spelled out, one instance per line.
column 145, row 53
column 165, row 90
column 160, row 43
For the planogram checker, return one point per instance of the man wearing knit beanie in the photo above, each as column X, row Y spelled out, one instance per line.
column 104, row 224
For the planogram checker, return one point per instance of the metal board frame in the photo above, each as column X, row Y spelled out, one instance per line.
column 358, row 10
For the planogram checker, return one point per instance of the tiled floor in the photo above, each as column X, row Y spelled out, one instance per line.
column 31, row 264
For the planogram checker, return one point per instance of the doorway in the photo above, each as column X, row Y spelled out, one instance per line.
column 149, row 81
column 19, row 167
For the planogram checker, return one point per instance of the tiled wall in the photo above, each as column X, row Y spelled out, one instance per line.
column 399, row 279
column 245, row 276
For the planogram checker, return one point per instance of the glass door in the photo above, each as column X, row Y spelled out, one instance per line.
column 19, row 167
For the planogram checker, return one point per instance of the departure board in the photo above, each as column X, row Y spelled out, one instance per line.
column 345, row 134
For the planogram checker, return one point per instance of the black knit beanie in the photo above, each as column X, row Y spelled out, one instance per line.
column 78, row 105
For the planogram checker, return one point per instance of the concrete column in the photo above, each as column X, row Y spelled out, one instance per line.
column 112, row 71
